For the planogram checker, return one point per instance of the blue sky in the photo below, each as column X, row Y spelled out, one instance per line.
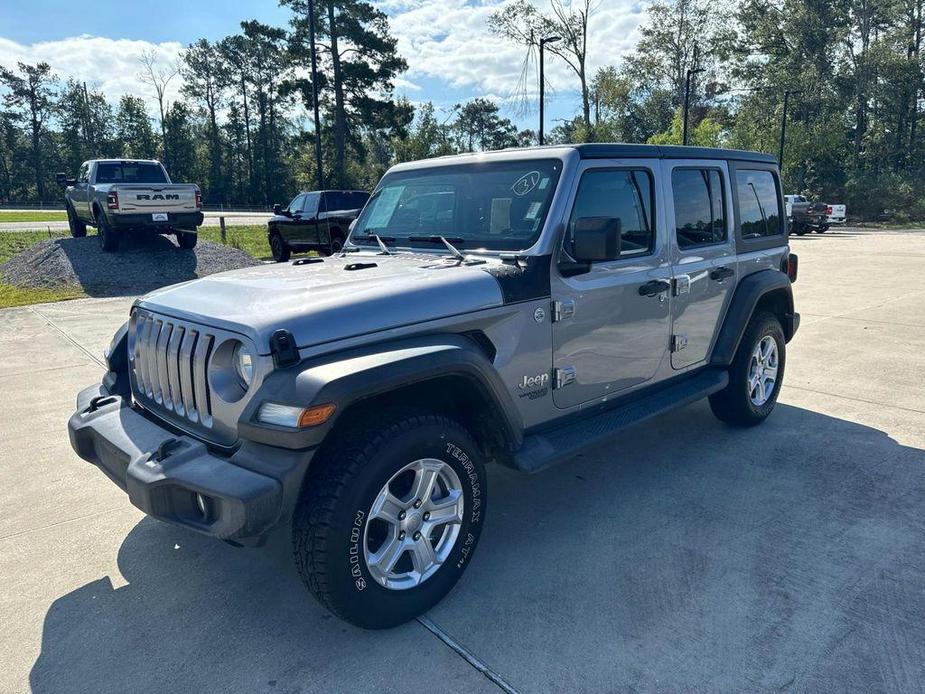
column 451, row 54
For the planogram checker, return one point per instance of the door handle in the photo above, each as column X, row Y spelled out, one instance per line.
column 654, row 287
column 721, row 273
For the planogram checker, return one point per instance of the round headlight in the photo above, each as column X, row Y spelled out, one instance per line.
column 243, row 365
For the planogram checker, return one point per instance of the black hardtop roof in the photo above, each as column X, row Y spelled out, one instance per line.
column 604, row 150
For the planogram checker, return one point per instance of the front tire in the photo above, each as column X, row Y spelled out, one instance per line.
column 281, row 252
column 78, row 229
column 755, row 376
column 389, row 518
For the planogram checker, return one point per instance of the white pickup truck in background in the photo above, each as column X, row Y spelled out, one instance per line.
column 121, row 197
column 807, row 216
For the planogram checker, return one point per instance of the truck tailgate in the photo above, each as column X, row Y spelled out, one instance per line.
column 150, row 198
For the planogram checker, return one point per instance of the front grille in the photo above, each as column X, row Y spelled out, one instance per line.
column 169, row 362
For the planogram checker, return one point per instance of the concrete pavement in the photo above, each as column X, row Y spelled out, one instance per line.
column 685, row 556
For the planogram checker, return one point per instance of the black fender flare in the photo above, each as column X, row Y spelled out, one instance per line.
column 749, row 292
column 346, row 378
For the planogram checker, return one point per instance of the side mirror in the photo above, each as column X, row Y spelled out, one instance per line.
column 63, row 181
column 596, row 239
column 277, row 209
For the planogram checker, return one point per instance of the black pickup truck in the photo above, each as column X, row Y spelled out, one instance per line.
column 314, row 221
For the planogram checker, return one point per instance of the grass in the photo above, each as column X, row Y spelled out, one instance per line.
column 17, row 296
column 32, row 216
column 250, row 239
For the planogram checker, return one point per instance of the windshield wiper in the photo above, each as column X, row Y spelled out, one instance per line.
column 445, row 241
column 382, row 247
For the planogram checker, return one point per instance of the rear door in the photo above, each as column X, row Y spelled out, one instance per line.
column 288, row 223
column 80, row 195
column 611, row 332
column 307, row 227
column 702, row 255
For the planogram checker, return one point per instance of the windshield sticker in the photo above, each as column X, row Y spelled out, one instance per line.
column 526, row 183
column 544, row 183
column 384, row 207
column 534, row 210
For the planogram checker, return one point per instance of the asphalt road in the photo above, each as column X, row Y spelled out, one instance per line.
column 211, row 220
column 686, row 556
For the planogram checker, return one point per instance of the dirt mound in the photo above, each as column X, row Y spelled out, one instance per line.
column 140, row 265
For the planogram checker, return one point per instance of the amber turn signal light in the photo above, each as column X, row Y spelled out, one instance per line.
column 319, row 414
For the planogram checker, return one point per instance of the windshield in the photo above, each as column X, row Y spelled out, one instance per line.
column 495, row 206
column 128, row 172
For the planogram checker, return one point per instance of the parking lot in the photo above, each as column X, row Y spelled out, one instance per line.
column 684, row 556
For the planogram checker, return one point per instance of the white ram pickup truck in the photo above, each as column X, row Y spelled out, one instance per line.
column 120, row 196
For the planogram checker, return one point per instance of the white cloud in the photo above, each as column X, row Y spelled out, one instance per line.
column 110, row 65
column 444, row 41
column 450, row 40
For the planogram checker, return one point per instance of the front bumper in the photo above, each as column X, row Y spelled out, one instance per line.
column 245, row 494
column 175, row 220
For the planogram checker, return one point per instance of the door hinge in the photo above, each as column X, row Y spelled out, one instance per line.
column 562, row 377
column 681, row 285
column 561, row 310
column 678, row 342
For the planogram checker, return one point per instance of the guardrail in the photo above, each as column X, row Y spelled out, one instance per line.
column 59, row 206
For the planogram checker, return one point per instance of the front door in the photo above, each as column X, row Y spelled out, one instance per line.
column 306, row 229
column 289, row 223
column 702, row 255
column 612, row 328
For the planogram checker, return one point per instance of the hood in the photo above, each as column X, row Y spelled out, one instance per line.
column 331, row 300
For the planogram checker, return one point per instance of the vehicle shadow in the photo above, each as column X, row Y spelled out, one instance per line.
column 142, row 263
column 686, row 556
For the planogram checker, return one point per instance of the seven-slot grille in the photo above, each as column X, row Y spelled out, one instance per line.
column 169, row 362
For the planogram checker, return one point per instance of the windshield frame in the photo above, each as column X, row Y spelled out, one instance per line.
column 359, row 240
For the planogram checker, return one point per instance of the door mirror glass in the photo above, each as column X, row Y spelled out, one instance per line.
column 596, row 239
column 277, row 209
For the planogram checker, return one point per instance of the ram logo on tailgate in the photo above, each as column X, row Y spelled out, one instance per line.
column 158, row 196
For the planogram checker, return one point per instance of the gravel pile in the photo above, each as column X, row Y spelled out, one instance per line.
column 140, row 265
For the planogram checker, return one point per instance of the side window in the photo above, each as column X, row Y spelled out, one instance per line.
column 323, row 199
column 625, row 194
column 296, row 204
column 310, row 205
column 759, row 211
column 699, row 207
column 83, row 176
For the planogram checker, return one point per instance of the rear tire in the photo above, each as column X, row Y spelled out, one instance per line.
column 335, row 247
column 821, row 230
column 755, row 375
column 109, row 240
column 359, row 509
column 187, row 239
column 78, row 228
column 281, row 252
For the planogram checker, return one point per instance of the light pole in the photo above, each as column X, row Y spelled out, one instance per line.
column 687, row 94
column 543, row 42
column 783, row 124
column 311, row 41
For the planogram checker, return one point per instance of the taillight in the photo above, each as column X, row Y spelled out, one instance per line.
column 828, row 210
column 789, row 266
column 198, row 199
column 112, row 201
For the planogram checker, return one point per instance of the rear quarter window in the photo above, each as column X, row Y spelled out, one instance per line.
column 759, row 209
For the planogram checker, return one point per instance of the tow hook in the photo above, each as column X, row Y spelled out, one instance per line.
column 100, row 401
column 166, row 449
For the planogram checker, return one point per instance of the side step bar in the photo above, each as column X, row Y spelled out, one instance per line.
column 541, row 450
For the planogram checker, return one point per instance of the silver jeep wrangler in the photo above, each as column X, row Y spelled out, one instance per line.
column 512, row 307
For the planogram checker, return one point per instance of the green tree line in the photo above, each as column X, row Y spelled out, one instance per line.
column 242, row 128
